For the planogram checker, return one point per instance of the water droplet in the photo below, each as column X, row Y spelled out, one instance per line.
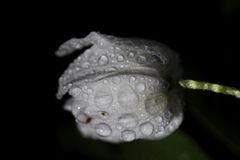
column 85, row 65
column 105, row 81
column 120, row 58
column 159, row 119
column 160, row 131
column 103, row 60
column 119, row 127
column 83, row 118
column 127, row 98
column 128, row 120
column 140, row 87
column 78, row 106
column 141, row 59
column 101, row 43
column 146, row 128
column 92, row 57
column 75, row 92
column 112, row 55
column 102, row 129
column 155, row 103
column 132, row 79
column 103, row 98
column 116, row 80
column 128, row 135
column 131, row 54
column 111, row 48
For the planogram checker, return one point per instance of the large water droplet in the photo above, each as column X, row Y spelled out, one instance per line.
column 120, row 58
column 155, row 103
column 127, row 98
column 82, row 118
column 128, row 120
column 102, row 129
column 140, row 87
column 146, row 128
column 128, row 135
column 103, row 60
column 103, row 98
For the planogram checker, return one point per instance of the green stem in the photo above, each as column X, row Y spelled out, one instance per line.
column 217, row 88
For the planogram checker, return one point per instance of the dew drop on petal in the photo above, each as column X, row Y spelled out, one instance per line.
column 103, row 60
column 128, row 135
column 146, row 128
column 102, row 129
column 75, row 92
column 140, row 87
column 128, row 120
column 82, row 118
column 78, row 106
column 120, row 58
column 105, row 81
column 131, row 54
column 159, row 119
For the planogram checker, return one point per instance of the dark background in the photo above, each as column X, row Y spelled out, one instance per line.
column 206, row 35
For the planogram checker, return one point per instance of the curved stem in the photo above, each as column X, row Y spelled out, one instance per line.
column 217, row 88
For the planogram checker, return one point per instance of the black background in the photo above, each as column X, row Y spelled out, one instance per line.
column 205, row 34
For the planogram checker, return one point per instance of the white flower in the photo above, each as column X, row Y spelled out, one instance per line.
column 123, row 89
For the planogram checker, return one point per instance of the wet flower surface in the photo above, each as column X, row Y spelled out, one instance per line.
column 122, row 88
